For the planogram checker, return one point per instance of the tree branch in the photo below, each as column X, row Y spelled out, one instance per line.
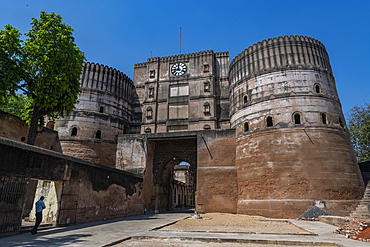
column 25, row 91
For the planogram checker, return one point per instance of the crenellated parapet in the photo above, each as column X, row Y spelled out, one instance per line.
column 222, row 54
column 282, row 53
column 181, row 57
column 289, row 125
column 104, row 110
column 104, row 78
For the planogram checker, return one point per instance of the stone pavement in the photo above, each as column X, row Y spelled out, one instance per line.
column 108, row 232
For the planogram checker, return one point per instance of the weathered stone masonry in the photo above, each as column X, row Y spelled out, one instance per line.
column 90, row 192
column 288, row 145
column 304, row 153
column 104, row 111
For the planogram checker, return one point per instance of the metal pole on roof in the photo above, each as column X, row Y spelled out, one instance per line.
column 180, row 40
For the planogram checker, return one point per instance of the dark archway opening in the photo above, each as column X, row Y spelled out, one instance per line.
column 74, row 131
column 324, row 118
column 269, row 121
column 341, row 122
column 174, row 173
column 98, row 134
column 297, row 118
column 246, row 127
column 245, row 99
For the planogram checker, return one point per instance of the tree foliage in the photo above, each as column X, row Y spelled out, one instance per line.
column 359, row 128
column 46, row 67
column 14, row 105
column 11, row 66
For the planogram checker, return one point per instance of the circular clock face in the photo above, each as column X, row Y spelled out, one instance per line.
column 178, row 69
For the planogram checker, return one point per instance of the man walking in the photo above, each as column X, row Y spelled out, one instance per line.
column 40, row 205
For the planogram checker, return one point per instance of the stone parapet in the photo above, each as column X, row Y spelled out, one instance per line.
column 279, row 54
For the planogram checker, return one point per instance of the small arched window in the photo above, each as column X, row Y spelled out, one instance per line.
column 245, row 99
column 151, row 92
column 206, row 108
column 149, row 113
column 101, row 109
column 98, row 134
column 324, row 118
column 74, row 131
column 148, row 130
column 317, row 88
column 269, row 121
column 297, row 118
column 246, row 126
column 206, row 127
column 205, row 67
column 341, row 122
column 207, row 87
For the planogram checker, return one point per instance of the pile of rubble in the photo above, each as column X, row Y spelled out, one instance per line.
column 313, row 213
column 356, row 228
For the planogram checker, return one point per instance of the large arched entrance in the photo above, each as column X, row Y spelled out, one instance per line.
column 177, row 181
column 170, row 190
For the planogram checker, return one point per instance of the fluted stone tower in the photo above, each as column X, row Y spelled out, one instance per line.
column 292, row 145
column 104, row 111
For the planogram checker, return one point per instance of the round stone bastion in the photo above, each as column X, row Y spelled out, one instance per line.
column 292, row 144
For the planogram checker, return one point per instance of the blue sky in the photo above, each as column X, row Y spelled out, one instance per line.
column 122, row 33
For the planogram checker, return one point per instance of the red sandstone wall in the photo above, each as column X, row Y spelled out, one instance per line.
column 216, row 175
column 111, row 203
column 148, row 178
column 281, row 173
column 99, row 151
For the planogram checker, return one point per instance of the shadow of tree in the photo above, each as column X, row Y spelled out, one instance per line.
column 72, row 239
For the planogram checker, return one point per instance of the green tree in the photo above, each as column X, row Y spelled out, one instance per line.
column 359, row 128
column 46, row 67
column 15, row 104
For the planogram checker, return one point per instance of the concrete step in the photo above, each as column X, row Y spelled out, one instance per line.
column 357, row 212
column 361, row 215
column 362, row 210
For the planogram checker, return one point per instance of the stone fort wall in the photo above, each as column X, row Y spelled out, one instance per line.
column 279, row 95
column 292, row 144
column 104, row 111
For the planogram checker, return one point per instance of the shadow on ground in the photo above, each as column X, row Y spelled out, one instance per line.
column 73, row 239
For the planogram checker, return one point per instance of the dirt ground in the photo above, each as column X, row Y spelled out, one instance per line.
column 234, row 223
column 226, row 223
column 187, row 243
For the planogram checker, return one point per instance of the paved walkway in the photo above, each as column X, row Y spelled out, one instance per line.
column 103, row 233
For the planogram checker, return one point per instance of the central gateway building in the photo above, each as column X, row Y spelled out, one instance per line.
column 264, row 135
column 182, row 93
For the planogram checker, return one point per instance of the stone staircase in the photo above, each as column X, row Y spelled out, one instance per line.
column 363, row 210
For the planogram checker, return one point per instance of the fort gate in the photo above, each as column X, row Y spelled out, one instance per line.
column 211, row 157
column 267, row 129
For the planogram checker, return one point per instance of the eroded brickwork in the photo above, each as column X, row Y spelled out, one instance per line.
column 288, row 145
column 217, row 181
column 103, row 112
column 14, row 128
column 292, row 144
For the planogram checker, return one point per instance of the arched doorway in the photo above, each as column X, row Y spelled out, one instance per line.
column 174, row 173
column 178, row 184
column 184, row 178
